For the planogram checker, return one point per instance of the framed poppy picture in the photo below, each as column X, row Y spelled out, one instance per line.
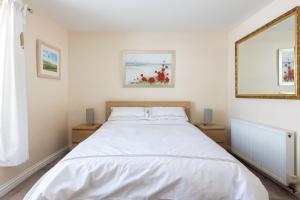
column 149, row 68
column 286, row 66
column 48, row 60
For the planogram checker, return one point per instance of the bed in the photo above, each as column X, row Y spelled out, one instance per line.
column 148, row 159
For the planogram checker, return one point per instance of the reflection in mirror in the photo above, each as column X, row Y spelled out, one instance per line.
column 266, row 61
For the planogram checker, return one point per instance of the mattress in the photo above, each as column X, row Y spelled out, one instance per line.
column 148, row 160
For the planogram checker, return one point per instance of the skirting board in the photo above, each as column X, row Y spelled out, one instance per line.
column 11, row 184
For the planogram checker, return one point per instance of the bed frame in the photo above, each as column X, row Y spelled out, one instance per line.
column 185, row 104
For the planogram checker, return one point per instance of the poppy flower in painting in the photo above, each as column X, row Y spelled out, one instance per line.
column 167, row 67
column 167, row 80
column 161, row 76
column 151, row 80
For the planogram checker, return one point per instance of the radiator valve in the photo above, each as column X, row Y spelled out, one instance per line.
column 293, row 179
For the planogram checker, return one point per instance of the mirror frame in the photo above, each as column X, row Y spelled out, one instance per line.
column 295, row 11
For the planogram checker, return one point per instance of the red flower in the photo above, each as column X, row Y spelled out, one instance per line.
column 163, row 69
column 161, row 76
column 167, row 67
column 151, row 80
column 163, row 64
column 167, row 80
column 290, row 74
column 144, row 79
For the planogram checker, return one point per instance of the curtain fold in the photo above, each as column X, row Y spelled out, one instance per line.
column 13, row 100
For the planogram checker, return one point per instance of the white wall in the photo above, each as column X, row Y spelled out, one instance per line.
column 278, row 113
column 47, row 99
column 96, row 72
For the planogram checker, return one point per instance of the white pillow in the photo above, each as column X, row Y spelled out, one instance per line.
column 127, row 118
column 127, row 113
column 168, row 113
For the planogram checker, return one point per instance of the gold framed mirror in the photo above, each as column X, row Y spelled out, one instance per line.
column 267, row 60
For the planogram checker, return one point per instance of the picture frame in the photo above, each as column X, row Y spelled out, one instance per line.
column 149, row 68
column 48, row 61
column 286, row 67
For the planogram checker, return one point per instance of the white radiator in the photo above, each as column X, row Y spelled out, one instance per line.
column 269, row 149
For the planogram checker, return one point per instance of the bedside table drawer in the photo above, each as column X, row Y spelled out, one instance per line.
column 80, row 135
column 218, row 136
column 222, row 144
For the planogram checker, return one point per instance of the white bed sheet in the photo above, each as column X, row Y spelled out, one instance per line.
column 148, row 160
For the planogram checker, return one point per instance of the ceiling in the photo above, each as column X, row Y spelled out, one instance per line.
column 148, row 15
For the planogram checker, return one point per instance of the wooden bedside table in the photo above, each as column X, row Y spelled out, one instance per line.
column 216, row 132
column 83, row 131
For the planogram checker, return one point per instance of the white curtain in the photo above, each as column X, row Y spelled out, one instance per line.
column 13, row 101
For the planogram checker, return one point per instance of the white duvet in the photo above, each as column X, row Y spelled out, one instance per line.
column 154, row 160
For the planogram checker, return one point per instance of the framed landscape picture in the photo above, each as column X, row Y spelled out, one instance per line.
column 48, row 60
column 286, row 66
column 149, row 68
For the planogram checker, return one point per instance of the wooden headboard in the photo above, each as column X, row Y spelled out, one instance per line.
column 185, row 104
